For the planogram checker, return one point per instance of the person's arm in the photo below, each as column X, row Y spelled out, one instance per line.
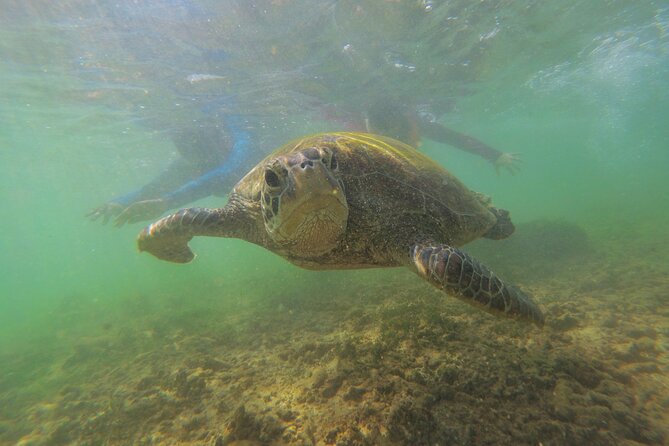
column 206, row 184
column 443, row 134
column 176, row 173
column 202, row 186
column 210, row 182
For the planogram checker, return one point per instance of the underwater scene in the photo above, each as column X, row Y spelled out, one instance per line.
column 334, row 222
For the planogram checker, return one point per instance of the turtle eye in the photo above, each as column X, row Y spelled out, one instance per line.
column 329, row 159
column 271, row 178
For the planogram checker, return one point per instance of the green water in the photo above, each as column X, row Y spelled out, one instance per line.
column 578, row 89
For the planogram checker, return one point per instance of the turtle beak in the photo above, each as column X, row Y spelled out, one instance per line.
column 311, row 179
column 314, row 212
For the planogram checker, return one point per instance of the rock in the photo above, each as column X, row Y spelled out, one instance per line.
column 217, row 440
column 563, row 322
column 621, row 412
column 289, row 434
column 142, row 408
column 193, row 423
column 638, row 332
column 147, row 382
column 644, row 367
column 189, row 386
column 213, row 364
column 409, row 423
column 244, row 425
column 584, row 372
column 248, row 426
column 63, row 433
column 331, row 436
column 355, row 393
column 610, row 322
column 286, row 414
column 563, row 401
column 331, row 386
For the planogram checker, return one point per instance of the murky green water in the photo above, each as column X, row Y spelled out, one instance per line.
column 90, row 90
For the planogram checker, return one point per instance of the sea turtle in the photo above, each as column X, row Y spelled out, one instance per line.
column 355, row 200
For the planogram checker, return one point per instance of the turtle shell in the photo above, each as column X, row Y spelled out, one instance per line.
column 396, row 195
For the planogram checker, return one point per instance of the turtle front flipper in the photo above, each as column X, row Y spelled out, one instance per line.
column 462, row 276
column 168, row 238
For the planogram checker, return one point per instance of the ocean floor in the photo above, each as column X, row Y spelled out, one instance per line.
column 364, row 358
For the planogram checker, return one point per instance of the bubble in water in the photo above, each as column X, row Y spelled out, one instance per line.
column 395, row 61
column 427, row 5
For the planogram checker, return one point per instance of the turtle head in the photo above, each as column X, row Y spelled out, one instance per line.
column 303, row 203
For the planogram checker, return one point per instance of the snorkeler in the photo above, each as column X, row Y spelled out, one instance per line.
column 203, row 168
column 388, row 117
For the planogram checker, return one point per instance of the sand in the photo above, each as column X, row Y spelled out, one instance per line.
column 366, row 358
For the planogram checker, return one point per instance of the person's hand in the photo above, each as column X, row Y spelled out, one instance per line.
column 140, row 211
column 508, row 161
column 105, row 212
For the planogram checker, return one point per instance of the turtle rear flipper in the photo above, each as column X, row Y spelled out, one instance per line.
column 462, row 276
column 503, row 228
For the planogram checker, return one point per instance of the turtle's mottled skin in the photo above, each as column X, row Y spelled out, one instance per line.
column 353, row 200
